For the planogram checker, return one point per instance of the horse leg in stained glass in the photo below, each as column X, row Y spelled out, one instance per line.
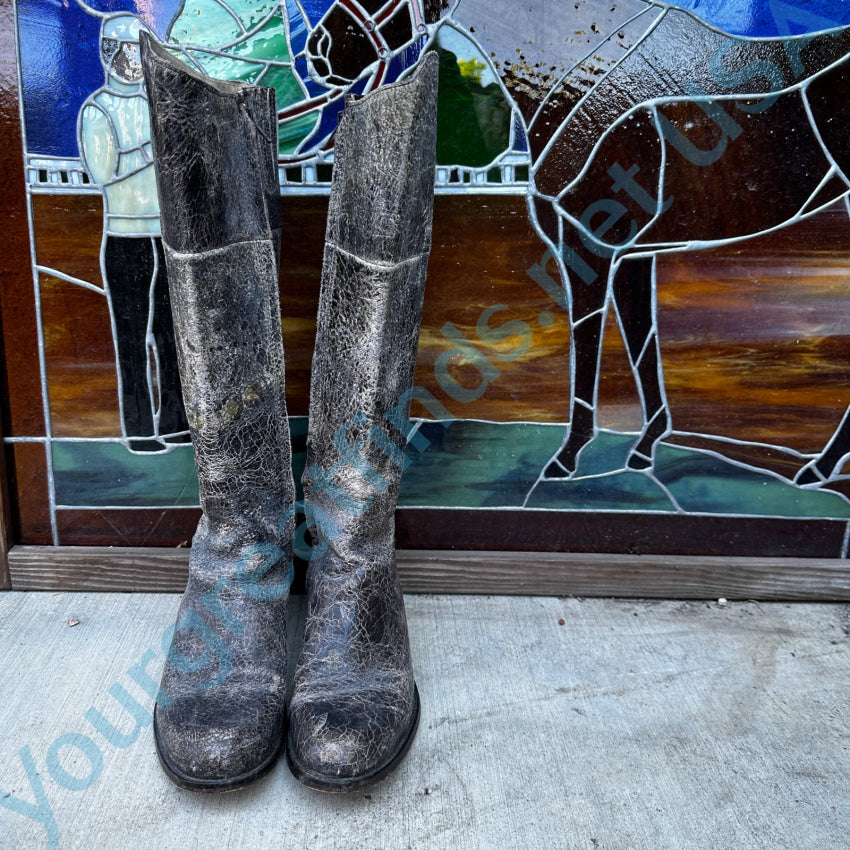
column 681, row 159
column 633, row 288
column 829, row 462
column 828, row 108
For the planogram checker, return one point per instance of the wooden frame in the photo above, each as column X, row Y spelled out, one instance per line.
column 154, row 570
column 5, row 528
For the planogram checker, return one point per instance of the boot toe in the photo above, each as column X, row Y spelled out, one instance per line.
column 349, row 741
column 217, row 747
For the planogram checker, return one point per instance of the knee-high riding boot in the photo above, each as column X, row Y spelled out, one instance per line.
column 355, row 706
column 219, row 719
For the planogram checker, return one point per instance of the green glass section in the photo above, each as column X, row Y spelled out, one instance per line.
column 251, row 50
column 473, row 120
column 288, row 91
column 292, row 133
column 477, row 464
column 268, row 43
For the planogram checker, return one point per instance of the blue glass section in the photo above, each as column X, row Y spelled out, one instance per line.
column 60, row 66
column 769, row 17
column 297, row 28
column 520, row 141
column 327, row 124
column 358, row 87
column 315, row 9
column 404, row 60
column 300, row 66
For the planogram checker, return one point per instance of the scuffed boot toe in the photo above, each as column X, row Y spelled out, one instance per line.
column 351, row 741
column 217, row 748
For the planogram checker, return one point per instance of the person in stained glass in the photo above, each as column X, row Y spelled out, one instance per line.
column 114, row 141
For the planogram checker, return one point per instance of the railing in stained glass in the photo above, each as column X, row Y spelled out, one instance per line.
column 508, row 175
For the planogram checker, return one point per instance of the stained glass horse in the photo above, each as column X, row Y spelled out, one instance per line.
column 649, row 132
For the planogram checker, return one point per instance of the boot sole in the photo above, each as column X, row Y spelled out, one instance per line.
column 335, row 784
column 215, row 786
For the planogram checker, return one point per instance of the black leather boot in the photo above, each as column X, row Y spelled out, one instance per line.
column 219, row 721
column 355, row 706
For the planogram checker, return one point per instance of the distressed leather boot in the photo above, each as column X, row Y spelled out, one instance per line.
column 219, row 718
column 355, row 705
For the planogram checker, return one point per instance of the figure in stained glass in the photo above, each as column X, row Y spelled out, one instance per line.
column 114, row 141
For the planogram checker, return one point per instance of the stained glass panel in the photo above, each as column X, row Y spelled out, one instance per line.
column 634, row 335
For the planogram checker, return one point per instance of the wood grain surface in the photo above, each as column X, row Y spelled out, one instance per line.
column 502, row 573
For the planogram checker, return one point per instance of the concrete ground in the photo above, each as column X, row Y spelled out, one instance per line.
column 631, row 725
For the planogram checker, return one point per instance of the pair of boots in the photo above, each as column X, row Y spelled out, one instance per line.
column 221, row 713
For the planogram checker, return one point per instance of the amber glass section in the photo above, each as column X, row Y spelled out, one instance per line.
column 80, row 361
column 755, row 340
column 68, row 230
column 482, row 250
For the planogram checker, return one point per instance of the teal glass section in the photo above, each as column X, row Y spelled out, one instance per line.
column 246, row 42
column 102, row 474
column 106, row 474
column 703, row 483
column 211, row 24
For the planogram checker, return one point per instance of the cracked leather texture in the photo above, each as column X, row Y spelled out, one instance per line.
column 354, row 704
column 220, row 720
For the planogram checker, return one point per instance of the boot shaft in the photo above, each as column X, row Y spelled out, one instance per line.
column 215, row 157
column 382, row 199
column 373, row 277
column 355, row 706
column 231, row 361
